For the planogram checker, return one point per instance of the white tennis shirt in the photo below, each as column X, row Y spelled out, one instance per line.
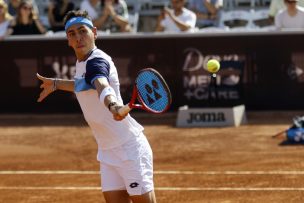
column 284, row 20
column 107, row 132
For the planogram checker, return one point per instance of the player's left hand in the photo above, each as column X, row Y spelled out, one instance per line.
column 47, row 86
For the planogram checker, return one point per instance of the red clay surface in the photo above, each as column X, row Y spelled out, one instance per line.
column 52, row 158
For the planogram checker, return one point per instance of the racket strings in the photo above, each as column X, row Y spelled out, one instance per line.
column 152, row 91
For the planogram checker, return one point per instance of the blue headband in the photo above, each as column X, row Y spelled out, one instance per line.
column 78, row 20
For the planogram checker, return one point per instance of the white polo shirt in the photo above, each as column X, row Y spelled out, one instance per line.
column 107, row 132
column 186, row 16
column 284, row 20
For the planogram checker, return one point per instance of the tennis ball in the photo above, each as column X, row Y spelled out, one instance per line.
column 213, row 66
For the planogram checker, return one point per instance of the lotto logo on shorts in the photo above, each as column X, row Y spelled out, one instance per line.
column 134, row 185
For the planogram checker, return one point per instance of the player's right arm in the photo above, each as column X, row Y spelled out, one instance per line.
column 50, row 85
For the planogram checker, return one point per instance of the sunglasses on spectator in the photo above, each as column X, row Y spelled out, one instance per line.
column 26, row 8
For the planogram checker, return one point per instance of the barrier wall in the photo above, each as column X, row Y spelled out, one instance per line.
column 263, row 70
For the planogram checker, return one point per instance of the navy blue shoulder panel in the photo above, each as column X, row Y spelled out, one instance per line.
column 96, row 68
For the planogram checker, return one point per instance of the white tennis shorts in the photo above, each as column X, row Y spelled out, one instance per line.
column 128, row 167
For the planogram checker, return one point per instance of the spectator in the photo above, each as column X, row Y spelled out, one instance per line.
column 177, row 19
column 291, row 17
column 92, row 7
column 56, row 12
column 26, row 21
column 110, row 15
column 206, row 11
column 5, row 18
column 277, row 5
column 114, row 16
column 13, row 6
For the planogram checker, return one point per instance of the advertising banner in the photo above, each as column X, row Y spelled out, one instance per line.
column 261, row 71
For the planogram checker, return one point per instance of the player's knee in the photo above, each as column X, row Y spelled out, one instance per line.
column 148, row 197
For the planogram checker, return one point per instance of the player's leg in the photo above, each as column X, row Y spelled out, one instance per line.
column 148, row 197
column 112, row 184
column 120, row 196
column 137, row 170
column 131, row 169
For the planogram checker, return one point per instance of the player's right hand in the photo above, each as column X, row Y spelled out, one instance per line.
column 47, row 85
column 116, row 115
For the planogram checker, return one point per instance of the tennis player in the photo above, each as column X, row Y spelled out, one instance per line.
column 123, row 151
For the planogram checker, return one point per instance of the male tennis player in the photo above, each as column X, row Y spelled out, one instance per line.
column 123, row 150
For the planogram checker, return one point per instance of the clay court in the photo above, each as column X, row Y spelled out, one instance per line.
column 52, row 158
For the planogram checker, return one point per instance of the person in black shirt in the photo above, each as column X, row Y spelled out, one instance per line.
column 26, row 21
column 56, row 12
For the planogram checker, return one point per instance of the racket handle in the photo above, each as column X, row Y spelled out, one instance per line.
column 124, row 110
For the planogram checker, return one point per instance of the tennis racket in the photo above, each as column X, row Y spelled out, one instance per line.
column 151, row 91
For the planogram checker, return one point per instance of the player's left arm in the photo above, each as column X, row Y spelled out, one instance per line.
column 50, row 85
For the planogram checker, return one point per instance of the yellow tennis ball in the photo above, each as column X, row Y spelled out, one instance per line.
column 213, row 66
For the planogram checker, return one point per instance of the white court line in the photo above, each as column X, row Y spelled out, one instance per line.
column 61, row 172
column 164, row 188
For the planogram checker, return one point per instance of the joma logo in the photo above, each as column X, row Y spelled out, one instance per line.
column 206, row 117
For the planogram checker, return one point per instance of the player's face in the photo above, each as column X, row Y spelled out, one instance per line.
column 81, row 38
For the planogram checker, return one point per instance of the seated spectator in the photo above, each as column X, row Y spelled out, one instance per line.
column 13, row 6
column 177, row 19
column 110, row 15
column 26, row 21
column 277, row 5
column 56, row 11
column 92, row 7
column 206, row 11
column 291, row 17
column 5, row 18
column 114, row 16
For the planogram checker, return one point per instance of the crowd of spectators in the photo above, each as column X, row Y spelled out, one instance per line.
column 22, row 17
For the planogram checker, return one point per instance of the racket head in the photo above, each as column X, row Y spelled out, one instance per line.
column 153, row 91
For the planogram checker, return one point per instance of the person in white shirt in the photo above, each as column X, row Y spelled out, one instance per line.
column 92, row 7
column 123, row 150
column 291, row 17
column 277, row 5
column 108, row 15
column 177, row 19
column 5, row 19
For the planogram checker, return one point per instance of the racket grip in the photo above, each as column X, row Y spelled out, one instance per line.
column 124, row 110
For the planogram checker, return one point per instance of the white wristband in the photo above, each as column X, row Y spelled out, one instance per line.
column 105, row 92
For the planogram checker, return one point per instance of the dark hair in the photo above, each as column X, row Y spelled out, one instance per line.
column 103, row 2
column 74, row 13
column 23, row 3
